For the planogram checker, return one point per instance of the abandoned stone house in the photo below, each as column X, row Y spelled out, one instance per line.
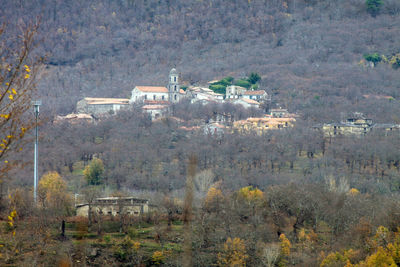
column 356, row 124
column 114, row 206
column 98, row 106
column 264, row 124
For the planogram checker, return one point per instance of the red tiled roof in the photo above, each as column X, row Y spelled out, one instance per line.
column 103, row 101
column 154, row 107
column 250, row 101
column 152, row 89
column 257, row 92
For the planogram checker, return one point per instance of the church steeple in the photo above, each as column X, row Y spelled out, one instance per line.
column 173, row 86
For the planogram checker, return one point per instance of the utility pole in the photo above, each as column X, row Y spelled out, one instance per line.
column 36, row 104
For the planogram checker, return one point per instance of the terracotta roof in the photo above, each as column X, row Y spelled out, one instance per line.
column 250, row 101
column 379, row 96
column 256, row 92
column 103, row 101
column 216, row 125
column 187, row 128
column 152, row 89
column 77, row 116
column 148, row 107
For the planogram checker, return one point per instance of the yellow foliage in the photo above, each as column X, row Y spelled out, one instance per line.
column 233, row 254
column 158, row 257
column 136, row 245
column 380, row 258
column 302, row 234
column 338, row 259
column 250, row 193
column 353, row 192
column 213, row 194
column 381, row 236
column 11, row 219
column 285, row 245
column 395, row 59
column 27, row 69
column 52, row 190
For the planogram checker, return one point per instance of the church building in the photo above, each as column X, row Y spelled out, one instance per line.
column 172, row 93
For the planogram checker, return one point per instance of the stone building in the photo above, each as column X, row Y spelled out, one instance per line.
column 98, row 106
column 356, row 124
column 275, row 121
column 114, row 206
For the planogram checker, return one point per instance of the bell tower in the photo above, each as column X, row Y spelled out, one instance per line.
column 173, row 86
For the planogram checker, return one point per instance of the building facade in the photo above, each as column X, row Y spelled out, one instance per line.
column 171, row 93
column 114, row 206
column 98, row 106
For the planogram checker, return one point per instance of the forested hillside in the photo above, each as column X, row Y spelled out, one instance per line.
column 285, row 196
column 307, row 52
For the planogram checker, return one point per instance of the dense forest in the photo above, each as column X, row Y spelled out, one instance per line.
column 309, row 53
column 288, row 197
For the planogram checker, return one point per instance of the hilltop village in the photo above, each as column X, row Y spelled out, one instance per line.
column 156, row 101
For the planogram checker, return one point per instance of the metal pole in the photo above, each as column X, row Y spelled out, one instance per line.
column 36, row 105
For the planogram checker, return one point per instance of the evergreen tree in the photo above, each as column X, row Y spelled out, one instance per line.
column 374, row 6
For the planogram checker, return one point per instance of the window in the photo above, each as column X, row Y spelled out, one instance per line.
column 162, row 97
column 154, row 97
column 174, row 78
column 145, row 97
column 175, row 87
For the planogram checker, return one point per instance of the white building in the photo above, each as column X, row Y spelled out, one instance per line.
column 142, row 93
column 171, row 93
column 247, row 103
column 258, row 95
column 234, row 92
column 204, row 95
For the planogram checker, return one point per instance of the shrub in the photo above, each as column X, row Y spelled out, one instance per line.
column 375, row 57
column 254, row 78
column 373, row 6
column 218, row 88
column 243, row 83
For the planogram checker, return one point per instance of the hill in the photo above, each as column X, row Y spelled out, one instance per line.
column 308, row 52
